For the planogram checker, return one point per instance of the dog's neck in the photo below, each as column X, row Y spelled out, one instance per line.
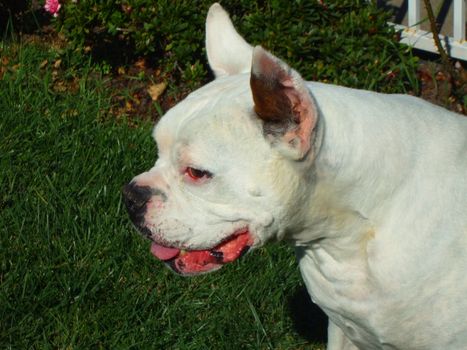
column 356, row 168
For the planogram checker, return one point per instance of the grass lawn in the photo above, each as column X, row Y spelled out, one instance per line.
column 73, row 272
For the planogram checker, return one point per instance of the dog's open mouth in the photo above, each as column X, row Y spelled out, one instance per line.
column 192, row 262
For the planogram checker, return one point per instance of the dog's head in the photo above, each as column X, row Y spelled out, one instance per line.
column 231, row 157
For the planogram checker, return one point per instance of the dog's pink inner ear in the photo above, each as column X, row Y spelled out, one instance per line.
column 282, row 101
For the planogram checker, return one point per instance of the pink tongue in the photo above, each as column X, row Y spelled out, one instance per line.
column 164, row 253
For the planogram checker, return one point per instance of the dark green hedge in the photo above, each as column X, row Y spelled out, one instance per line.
column 346, row 42
column 342, row 41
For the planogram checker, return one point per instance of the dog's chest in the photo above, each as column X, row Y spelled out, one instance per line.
column 345, row 291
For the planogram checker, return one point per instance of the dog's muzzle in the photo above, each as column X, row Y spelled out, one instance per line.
column 183, row 261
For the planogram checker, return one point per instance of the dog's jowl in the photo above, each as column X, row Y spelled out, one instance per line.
column 370, row 189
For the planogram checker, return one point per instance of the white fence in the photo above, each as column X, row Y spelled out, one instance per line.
column 455, row 46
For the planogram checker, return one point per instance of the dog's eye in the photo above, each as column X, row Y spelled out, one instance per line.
column 197, row 174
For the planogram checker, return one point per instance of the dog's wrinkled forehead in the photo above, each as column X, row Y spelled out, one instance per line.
column 223, row 107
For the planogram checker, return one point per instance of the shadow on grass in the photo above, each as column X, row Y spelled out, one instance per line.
column 309, row 320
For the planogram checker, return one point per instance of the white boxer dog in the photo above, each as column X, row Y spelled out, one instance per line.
column 370, row 189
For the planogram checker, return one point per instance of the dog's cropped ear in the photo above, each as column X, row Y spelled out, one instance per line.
column 228, row 53
column 284, row 104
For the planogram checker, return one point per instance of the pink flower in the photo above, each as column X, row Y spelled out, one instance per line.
column 52, row 7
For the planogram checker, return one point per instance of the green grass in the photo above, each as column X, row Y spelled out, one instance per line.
column 73, row 272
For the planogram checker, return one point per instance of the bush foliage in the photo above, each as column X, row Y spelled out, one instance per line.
column 346, row 41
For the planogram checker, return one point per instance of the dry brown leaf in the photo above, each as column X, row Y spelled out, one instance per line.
column 140, row 64
column 128, row 106
column 441, row 76
column 136, row 99
column 156, row 90
column 43, row 64
column 57, row 63
column 60, row 86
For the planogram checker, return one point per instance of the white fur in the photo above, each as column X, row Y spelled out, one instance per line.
column 226, row 57
column 377, row 212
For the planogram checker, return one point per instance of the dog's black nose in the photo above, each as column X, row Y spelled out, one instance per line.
column 135, row 198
